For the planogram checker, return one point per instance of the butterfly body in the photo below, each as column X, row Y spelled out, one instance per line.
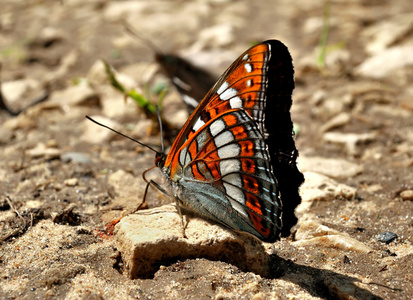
column 229, row 158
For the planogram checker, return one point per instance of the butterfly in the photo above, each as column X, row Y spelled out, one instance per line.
column 234, row 160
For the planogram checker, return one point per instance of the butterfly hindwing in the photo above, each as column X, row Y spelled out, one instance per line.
column 228, row 158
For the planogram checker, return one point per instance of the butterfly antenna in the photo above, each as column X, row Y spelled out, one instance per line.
column 160, row 128
column 128, row 137
column 140, row 36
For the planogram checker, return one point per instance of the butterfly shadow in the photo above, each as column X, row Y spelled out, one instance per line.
column 321, row 283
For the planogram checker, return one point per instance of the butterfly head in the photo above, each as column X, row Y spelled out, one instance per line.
column 160, row 159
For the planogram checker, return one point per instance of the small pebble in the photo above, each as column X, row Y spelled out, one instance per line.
column 407, row 195
column 386, row 237
column 75, row 157
column 71, row 181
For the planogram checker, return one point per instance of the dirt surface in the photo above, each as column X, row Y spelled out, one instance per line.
column 62, row 178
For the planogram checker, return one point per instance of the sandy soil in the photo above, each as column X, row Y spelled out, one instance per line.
column 62, row 178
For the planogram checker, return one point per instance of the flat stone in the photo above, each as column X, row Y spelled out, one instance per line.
column 407, row 195
column 13, row 91
column 318, row 187
column 383, row 63
column 314, row 234
column 33, row 204
column 71, row 181
column 349, row 140
column 382, row 35
column 336, row 121
column 332, row 167
column 76, row 95
column 125, row 184
column 42, row 151
column 6, row 134
column 152, row 237
column 311, row 229
column 386, row 237
column 75, row 157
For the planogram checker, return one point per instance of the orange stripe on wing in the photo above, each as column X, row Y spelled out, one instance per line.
column 255, row 214
column 248, row 165
column 247, row 147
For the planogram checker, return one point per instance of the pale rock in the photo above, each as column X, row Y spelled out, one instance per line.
column 383, row 34
column 373, row 188
column 142, row 128
column 33, row 204
column 48, row 35
column 335, row 241
column 22, row 121
column 318, row 97
column 14, row 90
column 75, row 157
column 318, row 187
column 154, row 19
column 125, row 184
column 115, row 11
column 71, row 181
column 7, row 216
column 42, row 151
column 350, row 140
column 97, row 76
column 394, row 112
column 337, row 61
column 312, row 24
column 95, row 134
column 213, row 60
column 115, row 104
column 122, row 205
column 219, row 35
column 149, row 237
column 313, row 234
column 178, row 118
column 3, row 175
column 6, row 134
column 383, row 63
column 123, row 41
column 66, row 63
column 329, row 106
column 310, row 229
column 336, row 168
column 336, row 121
column 407, row 195
column 91, row 209
column 142, row 73
column 72, row 96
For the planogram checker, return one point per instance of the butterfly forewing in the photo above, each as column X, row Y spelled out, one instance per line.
column 224, row 96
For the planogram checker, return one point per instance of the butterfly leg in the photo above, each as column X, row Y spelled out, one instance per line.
column 178, row 208
column 155, row 184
